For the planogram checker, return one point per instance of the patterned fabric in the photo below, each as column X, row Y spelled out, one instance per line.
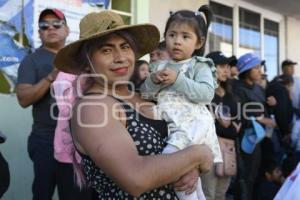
column 149, row 136
column 189, row 123
column 63, row 145
column 196, row 79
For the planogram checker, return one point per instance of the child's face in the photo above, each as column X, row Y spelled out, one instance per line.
column 223, row 71
column 255, row 73
column 289, row 70
column 154, row 56
column 144, row 71
column 163, row 55
column 181, row 41
column 276, row 175
column 234, row 71
column 159, row 55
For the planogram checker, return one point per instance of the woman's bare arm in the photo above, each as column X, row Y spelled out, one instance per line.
column 114, row 151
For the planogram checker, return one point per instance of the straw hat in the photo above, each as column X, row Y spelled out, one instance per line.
column 97, row 25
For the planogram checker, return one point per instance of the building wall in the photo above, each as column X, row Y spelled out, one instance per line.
column 159, row 10
column 141, row 11
column 293, row 42
column 15, row 123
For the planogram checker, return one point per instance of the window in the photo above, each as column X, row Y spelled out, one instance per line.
column 221, row 32
column 241, row 27
column 124, row 8
column 271, row 47
column 249, row 32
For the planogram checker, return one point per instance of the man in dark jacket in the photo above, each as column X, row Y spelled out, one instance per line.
column 283, row 110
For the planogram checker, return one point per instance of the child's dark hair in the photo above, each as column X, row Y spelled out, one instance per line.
column 162, row 46
column 135, row 78
column 199, row 20
column 269, row 165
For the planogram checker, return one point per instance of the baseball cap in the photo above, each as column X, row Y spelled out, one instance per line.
column 219, row 58
column 248, row 61
column 59, row 14
column 287, row 62
column 252, row 136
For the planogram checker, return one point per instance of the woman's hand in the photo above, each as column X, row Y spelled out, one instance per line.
column 268, row 122
column 187, row 182
column 206, row 156
column 271, row 101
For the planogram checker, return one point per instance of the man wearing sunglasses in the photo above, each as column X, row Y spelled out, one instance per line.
column 35, row 76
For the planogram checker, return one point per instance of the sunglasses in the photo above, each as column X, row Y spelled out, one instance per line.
column 45, row 25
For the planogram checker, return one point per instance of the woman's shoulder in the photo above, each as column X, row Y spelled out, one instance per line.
column 96, row 97
column 96, row 102
column 100, row 111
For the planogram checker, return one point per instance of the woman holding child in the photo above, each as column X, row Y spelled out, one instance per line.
column 113, row 129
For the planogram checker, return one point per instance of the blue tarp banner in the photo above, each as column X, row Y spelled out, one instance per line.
column 20, row 17
column 12, row 53
column 103, row 2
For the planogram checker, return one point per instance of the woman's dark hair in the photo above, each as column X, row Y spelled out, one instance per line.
column 196, row 20
column 226, row 85
column 135, row 78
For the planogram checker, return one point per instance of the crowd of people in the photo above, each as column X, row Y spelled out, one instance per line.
column 184, row 125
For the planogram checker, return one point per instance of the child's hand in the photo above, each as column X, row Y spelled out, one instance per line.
column 169, row 76
column 157, row 77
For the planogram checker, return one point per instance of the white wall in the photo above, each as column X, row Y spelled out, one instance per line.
column 15, row 123
column 293, row 42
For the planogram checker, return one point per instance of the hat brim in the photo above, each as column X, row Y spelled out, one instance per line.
column 146, row 37
column 250, row 65
column 225, row 60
